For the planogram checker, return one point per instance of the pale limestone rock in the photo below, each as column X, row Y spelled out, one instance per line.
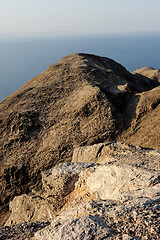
column 86, row 228
column 59, row 181
column 118, row 152
column 70, row 184
column 119, row 182
column 86, row 194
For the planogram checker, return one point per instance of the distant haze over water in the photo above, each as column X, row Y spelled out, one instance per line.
column 22, row 59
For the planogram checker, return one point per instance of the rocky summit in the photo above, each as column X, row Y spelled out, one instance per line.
column 80, row 154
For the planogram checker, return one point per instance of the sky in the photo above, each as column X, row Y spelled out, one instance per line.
column 73, row 17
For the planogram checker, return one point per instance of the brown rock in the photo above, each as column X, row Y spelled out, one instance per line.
column 149, row 72
column 29, row 208
column 78, row 101
column 62, row 108
column 143, row 118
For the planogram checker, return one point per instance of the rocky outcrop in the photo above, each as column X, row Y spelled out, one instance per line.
column 105, row 182
column 81, row 100
column 149, row 72
column 122, row 221
column 81, row 106
column 143, row 119
column 57, row 184
column 85, row 200
column 128, row 220
column 120, row 153
column 88, row 227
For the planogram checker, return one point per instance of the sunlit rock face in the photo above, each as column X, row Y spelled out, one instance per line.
column 93, row 109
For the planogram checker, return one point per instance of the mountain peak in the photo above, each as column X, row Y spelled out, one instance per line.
column 81, row 100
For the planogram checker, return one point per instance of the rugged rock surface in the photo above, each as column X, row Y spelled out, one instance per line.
column 130, row 220
column 57, row 184
column 111, row 200
column 143, row 114
column 137, row 219
column 22, row 231
column 87, row 228
column 118, row 152
column 143, row 119
column 148, row 72
column 73, row 183
column 78, row 101
column 81, row 104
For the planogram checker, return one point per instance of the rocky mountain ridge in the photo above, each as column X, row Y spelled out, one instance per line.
column 86, row 106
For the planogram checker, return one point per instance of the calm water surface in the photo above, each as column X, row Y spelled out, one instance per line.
column 22, row 59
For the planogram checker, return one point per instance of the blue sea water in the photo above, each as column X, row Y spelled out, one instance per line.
column 21, row 59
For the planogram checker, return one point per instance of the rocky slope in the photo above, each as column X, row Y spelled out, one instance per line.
column 143, row 114
column 80, row 101
column 107, row 199
column 143, row 119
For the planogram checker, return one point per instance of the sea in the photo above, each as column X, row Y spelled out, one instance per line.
column 23, row 58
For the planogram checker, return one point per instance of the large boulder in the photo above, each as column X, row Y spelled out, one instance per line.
column 29, row 208
column 118, row 182
column 120, row 153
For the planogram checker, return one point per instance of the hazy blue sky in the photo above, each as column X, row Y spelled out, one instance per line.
column 54, row 17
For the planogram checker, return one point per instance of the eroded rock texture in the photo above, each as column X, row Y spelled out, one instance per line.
column 84, row 200
column 81, row 106
column 81, row 100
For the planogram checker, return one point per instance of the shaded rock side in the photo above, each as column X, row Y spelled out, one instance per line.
column 78, row 101
column 23, row 231
column 143, row 118
column 148, row 72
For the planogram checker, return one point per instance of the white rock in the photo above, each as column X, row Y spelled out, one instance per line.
column 119, row 182
column 86, row 228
